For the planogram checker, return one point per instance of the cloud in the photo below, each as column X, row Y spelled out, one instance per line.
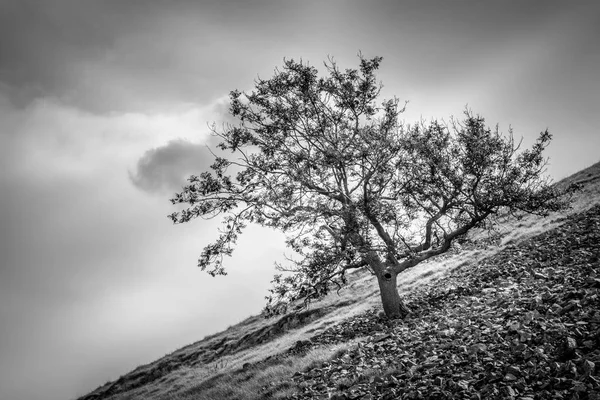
column 108, row 56
column 166, row 168
column 116, row 56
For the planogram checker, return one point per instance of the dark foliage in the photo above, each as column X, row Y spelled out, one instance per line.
column 321, row 159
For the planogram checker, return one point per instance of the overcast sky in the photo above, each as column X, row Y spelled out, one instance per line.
column 104, row 108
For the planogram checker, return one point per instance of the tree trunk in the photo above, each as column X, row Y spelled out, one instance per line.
column 393, row 306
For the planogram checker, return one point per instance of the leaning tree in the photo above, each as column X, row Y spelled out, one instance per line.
column 319, row 158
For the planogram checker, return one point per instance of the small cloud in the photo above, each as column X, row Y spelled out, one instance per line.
column 165, row 169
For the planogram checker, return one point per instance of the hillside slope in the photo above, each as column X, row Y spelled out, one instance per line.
column 522, row 323
column 518, row 319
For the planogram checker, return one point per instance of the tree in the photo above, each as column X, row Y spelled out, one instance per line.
column 350, row 185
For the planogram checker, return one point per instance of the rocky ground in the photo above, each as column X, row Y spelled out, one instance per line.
column 522, row 324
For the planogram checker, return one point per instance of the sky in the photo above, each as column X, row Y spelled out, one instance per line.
column 104, row 110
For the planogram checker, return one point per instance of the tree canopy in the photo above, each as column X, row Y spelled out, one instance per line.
column 323, row 160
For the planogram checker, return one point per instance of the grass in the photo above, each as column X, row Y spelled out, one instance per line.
column 266, row 380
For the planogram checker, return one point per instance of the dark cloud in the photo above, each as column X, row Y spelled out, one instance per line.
column 44, row 44
column 102, row 56
column 165, row 169
column 123, row 56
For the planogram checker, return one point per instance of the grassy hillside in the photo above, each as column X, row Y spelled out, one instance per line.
column 518, row 318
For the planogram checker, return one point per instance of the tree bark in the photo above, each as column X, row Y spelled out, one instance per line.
column 393, row 306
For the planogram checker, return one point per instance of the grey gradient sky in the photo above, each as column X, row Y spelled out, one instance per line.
column 104, row 108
